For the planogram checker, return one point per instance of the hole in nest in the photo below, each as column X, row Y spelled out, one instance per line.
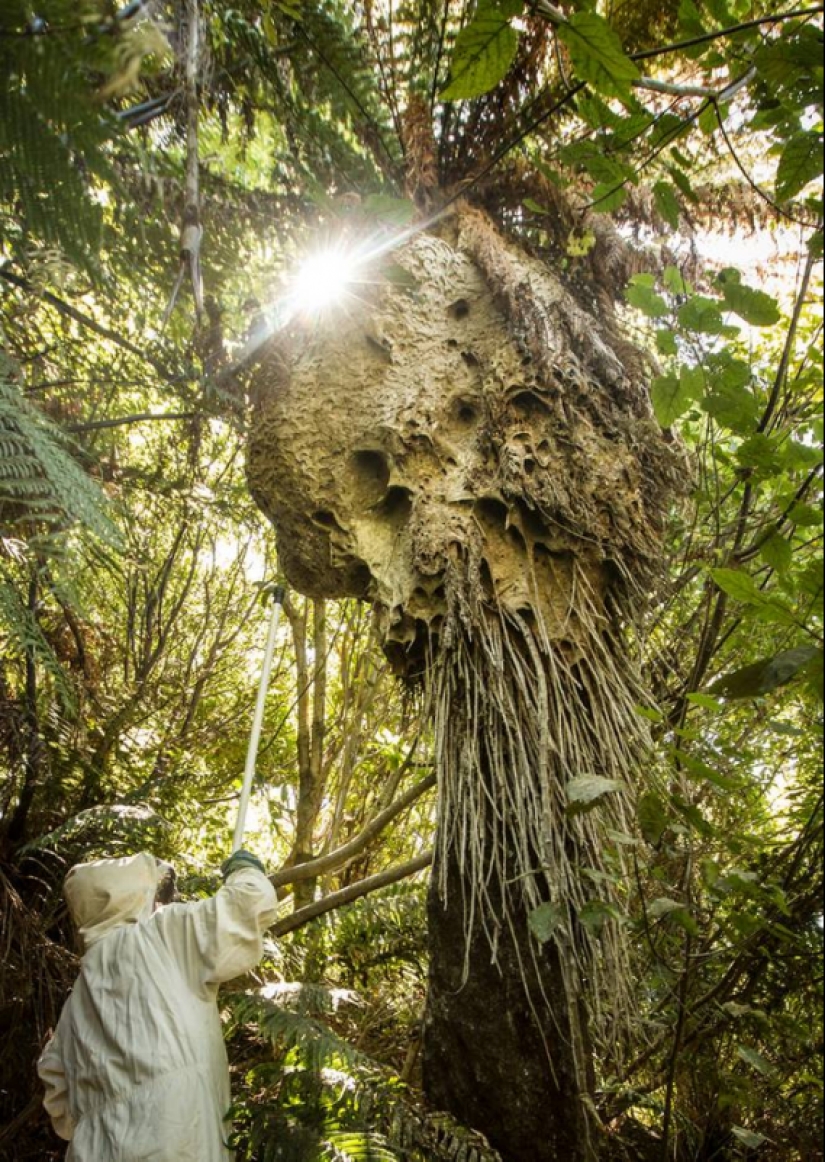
column 470, row 358
column 396, row 505
column 532, row 525
column 492, row 511
column 465, row 412
column 371, row 473
column 452, row 342
column 530, row 405
column 460, row 309
column 326, row 520
column 529, row 466
column 516, row 538
column 359, row 579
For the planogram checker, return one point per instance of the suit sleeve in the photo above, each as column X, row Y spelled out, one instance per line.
column 52, row 1073
column 220, row 938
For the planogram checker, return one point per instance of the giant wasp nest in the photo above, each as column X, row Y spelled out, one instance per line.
column 485, row 432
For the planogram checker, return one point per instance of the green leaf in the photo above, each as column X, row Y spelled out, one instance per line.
column 732, row 405
column 748, row 1138
column 739, row 585
column 766, row 675
column 667, row 204
column 799, row 164
column 705, row 701
column 754, row 306
column 653, row 817
column 676, row 282
column 677, row 913
column 641, row 295
column 702, row 315
column 672, row 397
column 545, row 920
column 666, row 343
column 597, row 54
column 607, row 197
column 483, row 53
column 595, row 914
column 587, row 790
column 777, row 552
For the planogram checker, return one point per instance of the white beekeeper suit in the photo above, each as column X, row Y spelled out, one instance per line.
column 137, row 1069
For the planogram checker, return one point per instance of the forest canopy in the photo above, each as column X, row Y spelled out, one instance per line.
column 633, row 194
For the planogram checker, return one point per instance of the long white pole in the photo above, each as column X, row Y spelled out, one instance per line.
column 257, row 721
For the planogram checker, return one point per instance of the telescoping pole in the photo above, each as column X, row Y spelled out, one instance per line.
column 278, row 595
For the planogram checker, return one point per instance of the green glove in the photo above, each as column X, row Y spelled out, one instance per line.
column 241, row 859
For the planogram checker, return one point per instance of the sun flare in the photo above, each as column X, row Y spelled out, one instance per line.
column 322, row 280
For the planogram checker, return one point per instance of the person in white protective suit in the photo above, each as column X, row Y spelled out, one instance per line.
column 137, row 1069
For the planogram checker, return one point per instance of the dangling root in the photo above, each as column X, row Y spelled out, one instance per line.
column 517, row 718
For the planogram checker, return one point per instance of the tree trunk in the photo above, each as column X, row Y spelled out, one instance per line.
column 499, row 1051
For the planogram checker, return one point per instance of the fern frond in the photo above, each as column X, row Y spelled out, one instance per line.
column 21, row 629
column 40, row 481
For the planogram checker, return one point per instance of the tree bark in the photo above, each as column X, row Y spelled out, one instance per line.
column 498, row 1047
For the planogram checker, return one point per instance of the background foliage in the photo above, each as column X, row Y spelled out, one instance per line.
column 666, row 157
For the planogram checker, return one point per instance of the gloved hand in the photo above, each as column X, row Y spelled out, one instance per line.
column 241, row 859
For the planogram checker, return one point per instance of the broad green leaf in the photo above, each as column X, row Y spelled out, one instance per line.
column 676, row 282
column 641, row 295
column 682, row 182
column 702, row 315
column 777, row 552
column 799, row 164
column 739, row 585
column 754, row 306
column 666, row 343
column 597, row 54
column 667, row 204
column 748, row 1137
column 766, row 675
column 675, row 912
column 595, row 914
column 545, row 920
column 483, row 53
column 705, row 701
column 653, row 817
column 760, row 451
column 607, row 197
column 587, row 790
column 651, row 713
column 672, row 397
column 535, row 207
column 733, row 406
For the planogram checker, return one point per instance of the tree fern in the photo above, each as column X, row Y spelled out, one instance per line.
column 53, row 132
column 322, row 1100
column 42, row 487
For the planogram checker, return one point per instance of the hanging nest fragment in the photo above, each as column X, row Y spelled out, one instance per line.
column 478, row 458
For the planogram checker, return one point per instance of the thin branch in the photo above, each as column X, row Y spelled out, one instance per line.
column 353, row 892
column 556, row 16
column 89, row 323
column 121, row 421
column 757, row 189
column 336, row 859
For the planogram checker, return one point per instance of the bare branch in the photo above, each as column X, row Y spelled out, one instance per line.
column 334, row 860
column 353, row 892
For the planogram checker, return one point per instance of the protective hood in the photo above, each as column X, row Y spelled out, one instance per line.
column 107, row 893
